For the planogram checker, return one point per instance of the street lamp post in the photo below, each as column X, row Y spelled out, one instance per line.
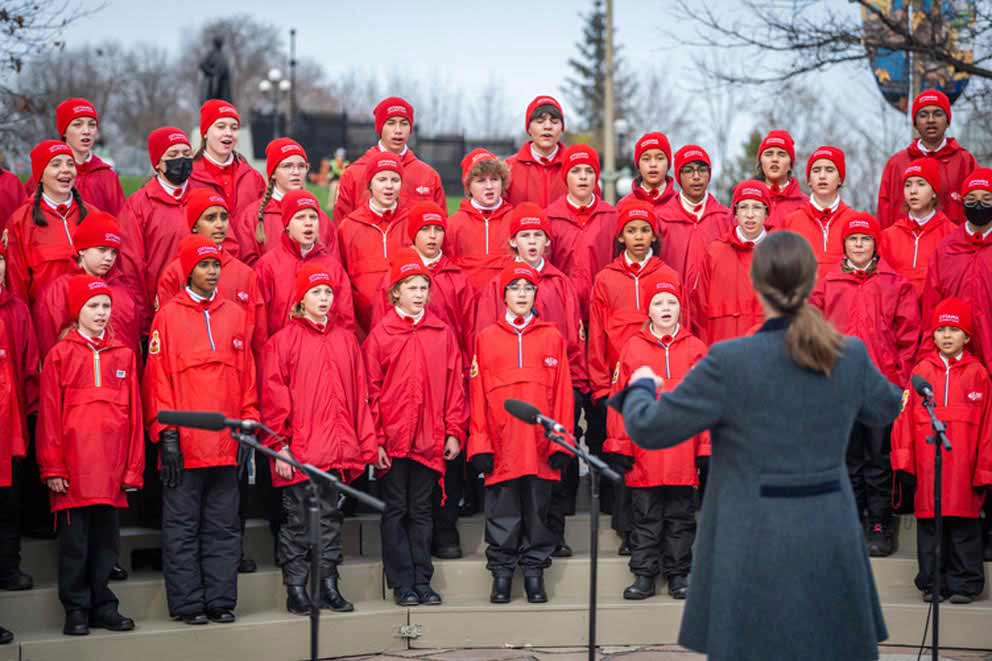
column 274, row 87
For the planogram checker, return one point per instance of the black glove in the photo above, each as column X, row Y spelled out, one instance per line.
column 170, row 457
column 903, row 493
column 559, row 460
column 483, row 463
column 619, row 462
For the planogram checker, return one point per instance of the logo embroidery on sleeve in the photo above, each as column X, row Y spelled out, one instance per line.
column 238, row 344
column 975, row 396
column 243, row 296
column 121, row 374
column 905, row 400
column 550, row 361
column 154, row 344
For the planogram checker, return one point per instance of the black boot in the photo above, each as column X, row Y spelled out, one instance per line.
column 297, row 600
column 641, row 588
column 562, row 551
column 624, row 549
column 534, row 587
column 6, row 637
column 330, row 596
column 678, row 587
column 16, row 581
column 76, row 623
column 118, row 573
column 988, row 547
column 880, row 540
column 111, row 620
column 502, row 586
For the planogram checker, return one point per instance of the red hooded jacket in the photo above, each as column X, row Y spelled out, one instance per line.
column 12, row 195
column 244, row 225
column 416, row 387
column 531, row 365
column 315, row 396
column 534, row 181
column 20, row 342
column 199, row 358
column 89, row 424
column 420, row 182
column 97, row 183
column 479, row 242
column 956, row 163
column 239, row 183
column 582, row 244
column 637, row 192
column 36, row 256
column 963, row 395
column 684, row 240
column 784, row 202
column 14, row 441
column 723, row 303
column 907, row 247
column 656, row 468
column 823, row 231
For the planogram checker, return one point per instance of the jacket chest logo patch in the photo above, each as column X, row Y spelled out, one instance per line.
column 423, row 190
column 975, row 396
column 550, row 361
column 121, row 374
column 905, row 400
column 616, row 373
column 243, row 296
column 238, row 344
column 154, row 344
column 3, row 353
column 474, row 370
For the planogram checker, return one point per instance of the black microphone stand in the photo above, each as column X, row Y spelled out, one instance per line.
column 313, row 475
column 596, row 466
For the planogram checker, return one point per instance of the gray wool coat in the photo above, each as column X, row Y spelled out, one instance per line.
column 780, row 570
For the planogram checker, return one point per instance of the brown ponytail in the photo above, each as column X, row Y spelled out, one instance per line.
column 37, row 215
column 260, row 225
column 783, row 272
column 79, row 201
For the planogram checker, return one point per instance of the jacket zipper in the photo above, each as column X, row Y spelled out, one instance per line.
column 68, row 234
column 97, row 379
column 947, row 382
column 826, row 233
column 916, row 248
column 668, row 367
column 637, row 293
column 520, row 348
column 486, row 220
column 210, row 333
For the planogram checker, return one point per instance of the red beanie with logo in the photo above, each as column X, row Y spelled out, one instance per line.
column 200, row 200
column 751, row 189
column 472, row 158
column 636, row 210
column 780, row 139
column 406, row 263
column 927, row 169
column 517, row 271
column 690, row 153
column 278, row 151
column 423, row 214
column 580, row 155
column 82, row 288
column 161, row 140
column 659, row 282
column 195, row 248
column 832, row 154
column 384, row 163
column 654, row 140
column 71, row 109
column 529, row 216
column 310, row 276
column 215, row 109
column 296, row 201
column 391, row 106
column 979, row 179
column 862, row 223
column 952, row 312
column 932, row 98
column 538, row 102
column 44, row 152
column 101, row 230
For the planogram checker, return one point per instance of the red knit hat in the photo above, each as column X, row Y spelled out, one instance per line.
column 543, row 100
column 474, row 157
column 658, row 282
column 310, row 276
column 382, row 163
column 69, row 110
column 952, row 312
column 927, row 169
column 161, row 139
column 932, row 98
column 279, row 150
column 979, row 179
column 751, row 189
column 862, row 223
column 215, row 109
column 580, row 155
column 200, row 200
column 517, row 271
column 423, row 214
column 690, row 153
column 832, row 154
column 195, row 248
column 780, row 139
column 529, row 216
column 295, row 201
column 43, row 153
column 636, row 210
column 391, row 106
column 406, row 263
column 82, row 288
column 101, row 230
column 655, row 140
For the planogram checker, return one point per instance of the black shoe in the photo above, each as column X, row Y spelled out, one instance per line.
column 961, row 599
column 6, row 637
column 641, row 588
column 468, row 508
column 16, row 581
column 427, row 595
column 331, row 598
column 562, row 551
column 988, row 548
column 879, row 541
column 247, row 566
column 928, row 597
column 624, row 549
column 76, row 623
column 405, row 597
column 502, row 586
column 678, row 587
column 534, row 587
column 118, row 573
column 111, row 621
column 221, row 615
column 450, row 552
column 297, row 600
column 194, row 619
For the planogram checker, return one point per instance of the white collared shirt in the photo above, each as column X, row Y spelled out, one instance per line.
column 972, row 231
column 277, row 194
column 572, row 201
column 230, row 159
column 406, row 315
column 922, row 221
column 55, row 205
column 832, row 206
column 482, row 207
column 538, row 156
column 200, row 299
column 510, row 318
column 947, row 363
column 87, row 336
column 923, row 148
column 627, row 258
column 755, row 241
column 428, row 261
column 691, row 208
column 673, row 334
column 377, row 210
column 170, row 189
column 383, row 149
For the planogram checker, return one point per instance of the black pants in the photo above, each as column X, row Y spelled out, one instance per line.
column 446, row 515
column 36, row 516
column 870, row 471
column 10, row 536
column 564, row 492
column 201, row 540
column 663, row 530
column 293, row 550
column 961, row 556
column 89, row 539
column 150, row 496
column 517, row 531
column 407, row 524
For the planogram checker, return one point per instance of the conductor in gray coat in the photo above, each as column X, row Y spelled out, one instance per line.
column 781, row 568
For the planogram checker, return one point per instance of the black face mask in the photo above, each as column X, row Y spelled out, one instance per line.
column 978, row 215
column 178, row 170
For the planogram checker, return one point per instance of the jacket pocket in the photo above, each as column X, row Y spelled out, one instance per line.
column 95, row 441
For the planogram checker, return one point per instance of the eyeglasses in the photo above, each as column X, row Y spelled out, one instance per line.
column 700, row 170
column 529, row 289
column 302, row 167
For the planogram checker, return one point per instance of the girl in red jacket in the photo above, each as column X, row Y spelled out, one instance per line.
column 477, row 234
column 535, row 170
column 217, row 165
column 652, row 159
column 963, row 398
column 315, row 398
column 724, row 304
column 12, row 195
column 90, row 450
column 518, row 357
column 419, row 405
column 660, row 482
column 776, row 162
column 908, row 244
column 864, row 297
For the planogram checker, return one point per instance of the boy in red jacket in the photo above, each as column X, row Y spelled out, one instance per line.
column 199, row 357
column 535, row 170
column 91, row 449
column 518, row 357
column 963, row 398
column 417, row 397
column 652, row 159
column 776, row 162
column 315, row 399
column 931, row 119
column 660, row 482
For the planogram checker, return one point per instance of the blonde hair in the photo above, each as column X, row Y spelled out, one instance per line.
column 260, row 224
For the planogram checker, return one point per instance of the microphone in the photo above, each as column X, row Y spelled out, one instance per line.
column 922, row 386
column 531, row 415
column 204, row 420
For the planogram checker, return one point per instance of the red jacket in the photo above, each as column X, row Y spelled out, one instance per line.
column 882, row 309
column 89, row 425
column 12, row 195
column 14, row 441
column 531, row 365
column 420, row 182
column 239, row 183
column 366, row 249
column 416, row 387
column 244, row 225
column 616, row 312
column 36, row 256
column 20, row 342
column 315, row 396
column 276, row 272
column 784, row 202
column 723, row 303
column 97, row 183
column 907, row 247
column 533, row 181
column 962, row 267
column 154, row 222
column 963, row 396
column 956, row 163
column 823, row 236
column 478, row 242
column 556, row 303
column 655, row 468
column 581, row 247
column 637, row 192
column 199, row 358
column 684, row 240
